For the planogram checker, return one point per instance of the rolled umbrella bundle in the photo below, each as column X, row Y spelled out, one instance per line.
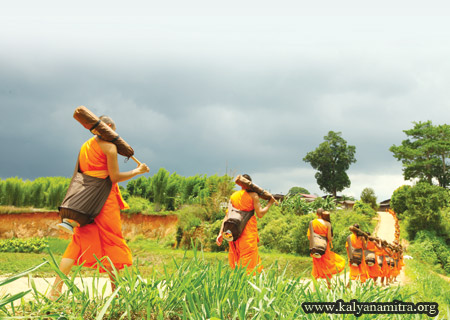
column 250, row 186
column 91, row 122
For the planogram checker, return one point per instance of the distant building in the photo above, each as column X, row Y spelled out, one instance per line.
column 347, row 204
column 308, row 197
column 385, row 205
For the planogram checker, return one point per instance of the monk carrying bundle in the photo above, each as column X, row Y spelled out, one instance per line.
column 87, row 193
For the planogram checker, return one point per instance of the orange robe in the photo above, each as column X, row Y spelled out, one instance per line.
column 384, row 266
column 375, row 270
column 103, row 237
column 244, row 251
column 360, row 272
column 396, row 268
column 329, row 263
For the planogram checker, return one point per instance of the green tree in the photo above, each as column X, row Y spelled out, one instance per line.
column 332, row 159
column 399, row 199
column 425, row 153
column 424, row 203
column 368, row 196
column 296, row 190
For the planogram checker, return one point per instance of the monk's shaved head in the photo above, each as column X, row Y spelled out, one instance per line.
column 108, row 121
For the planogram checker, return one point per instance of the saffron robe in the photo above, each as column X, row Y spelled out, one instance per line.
column 244, row 251
column 375, row 270
column 360, row 272
column 329, row 263
column 103, row 238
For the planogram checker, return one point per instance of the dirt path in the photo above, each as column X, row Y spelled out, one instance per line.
column 386, row 230
column 43, row 286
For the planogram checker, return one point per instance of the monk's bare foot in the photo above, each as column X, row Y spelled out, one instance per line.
column 54, row 294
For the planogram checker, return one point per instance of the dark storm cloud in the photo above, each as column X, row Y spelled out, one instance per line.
column 206, row 92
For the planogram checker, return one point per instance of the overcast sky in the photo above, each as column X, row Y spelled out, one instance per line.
column 201, row 87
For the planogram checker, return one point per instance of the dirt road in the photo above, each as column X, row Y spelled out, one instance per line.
column 386, row 231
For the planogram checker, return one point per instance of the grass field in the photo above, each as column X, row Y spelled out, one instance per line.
column 148, row 255
column 178, row 284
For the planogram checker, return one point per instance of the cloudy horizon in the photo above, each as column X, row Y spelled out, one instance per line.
column 198, row 89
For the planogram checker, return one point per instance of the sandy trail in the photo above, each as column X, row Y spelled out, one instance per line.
column 386, row 231
column 43, row 286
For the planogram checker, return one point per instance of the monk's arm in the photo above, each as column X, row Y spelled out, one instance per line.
column 220, row 236
column 115, row 175
column 329, row 236
column 260, row 212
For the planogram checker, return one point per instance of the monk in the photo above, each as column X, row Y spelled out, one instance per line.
column 384, row 266
column 244, row 251
column 375, row 270
column 359, row 272
column 329, row 263
column 103, row 238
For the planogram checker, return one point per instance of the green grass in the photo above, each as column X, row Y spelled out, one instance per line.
column 427, row 286
column 149, row 256
column 199, row 289
column 177, row 284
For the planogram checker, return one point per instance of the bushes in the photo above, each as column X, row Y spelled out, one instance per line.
column 432, row 249
column 138, row 205
column 34, row 245
column 278, row 233
column 341, row 220
column 301, row 242
column 361, row 207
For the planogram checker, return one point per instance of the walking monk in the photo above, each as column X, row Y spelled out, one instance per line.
column 375, row 269
column 358, row 268
column 103, row 238
column 244, row 251
column 329, row 263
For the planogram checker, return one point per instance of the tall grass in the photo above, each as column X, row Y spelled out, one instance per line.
column 198, row 289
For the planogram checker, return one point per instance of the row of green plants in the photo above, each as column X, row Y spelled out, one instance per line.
column 164, row 191
column 44, row 192
column 35, row 245
column 195, row 290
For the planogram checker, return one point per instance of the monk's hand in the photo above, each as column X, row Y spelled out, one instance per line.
column 143, row 168
column 219, row 239
column 272, row 201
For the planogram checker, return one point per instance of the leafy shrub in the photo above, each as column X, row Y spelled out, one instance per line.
column 189, row 219
column 34, row 245
column 399, row 198
column 296, row 205
column 341, row 220
column 300, row 240
column 361, row 207
column 138, row 205
column 328, row 204
column 432, row 249
column 278, row 234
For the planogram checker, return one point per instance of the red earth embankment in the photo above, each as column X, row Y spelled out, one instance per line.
column 43, row 224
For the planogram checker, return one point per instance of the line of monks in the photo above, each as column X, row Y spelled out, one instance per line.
column 387, row 263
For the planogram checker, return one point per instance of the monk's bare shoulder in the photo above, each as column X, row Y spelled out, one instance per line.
column 107, row 147
column 253, row 195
